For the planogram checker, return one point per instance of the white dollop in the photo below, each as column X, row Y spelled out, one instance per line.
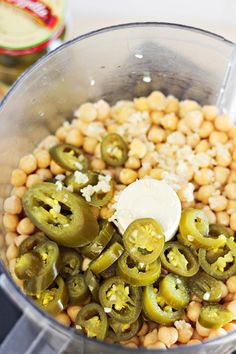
column 149, row 198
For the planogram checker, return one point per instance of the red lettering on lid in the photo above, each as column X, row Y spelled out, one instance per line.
column 40, row 11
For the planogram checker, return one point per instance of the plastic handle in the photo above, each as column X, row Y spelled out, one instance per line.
column 26, row 333
column 226, row 99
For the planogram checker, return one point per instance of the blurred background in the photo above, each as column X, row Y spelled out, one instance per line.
column 214, row 15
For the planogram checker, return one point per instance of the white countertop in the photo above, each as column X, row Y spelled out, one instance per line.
column 214, row 15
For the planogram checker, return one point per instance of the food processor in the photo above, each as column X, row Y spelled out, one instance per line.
column 119, row 62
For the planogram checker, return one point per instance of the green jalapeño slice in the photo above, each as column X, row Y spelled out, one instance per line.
column 138, row 274
column 157, row 309
column 69, row 157
column 179, row 259
column 55, row 299
column 194, row 230
column 144, row 240
column 114, row 150
column 122, row 301
column 63, row 216
column 92, row 321
column 50, row 258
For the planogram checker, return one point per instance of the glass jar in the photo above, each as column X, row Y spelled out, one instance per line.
column 28, row 30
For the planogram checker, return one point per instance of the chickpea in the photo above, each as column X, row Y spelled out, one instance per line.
column 231, row 284
column 232, row 132
column 210, row 112
column 55, row 168
column 144, row 329
column 131, row 345
column 73, row 311
column 233, row 165
column 183, row 128
column 229, row 327
column 168, row 335
column 230, row 191
column 202, row 146
column 229, row 297
column 133, row 163
column 193, row 342
column 97, row 151
column 25, row 227
column 221, row 174
column 19, row 191
column 156, row 173
column 86, row 112
column 223, row 158
column 232, row 222
column 169, row 121
column 156, row 117
column 209, row 214
column 202, row 331
column 12, row 252
column 106, row 212
column 156, row 101
column 20, row 239
column 193, row 119
column 205, row 192
column 234, row 154
column 156, row 135
column 98, row 165
column 203, row 176
column 157, row 345
column 10, row 222
column 138, row 149
column 33, row 179
column 187, row 106
column 89, row 145
column 74, row 137
column 176, row 138
column 142, row 172
column 232, row 177
column 28, row 164
column 10, row 238
column 64, row 319
column 218, row 138
column 48, row 142
column 216, row 332
column 128, row 176
column 18, row 178
column 196, row 335
column 224, row 290
column 141, row 104
column 172, row 105
column 61, row 133
column 193, row 310
column 185, row 334
column 150, row 338
column 43, row 158
column 103, row 110
column 231, row 206
column 44, row 174
column 218, row 203
column 81, row 125
column 222, row 218
column 13, row 205
column 223, row 123
column 206, row 129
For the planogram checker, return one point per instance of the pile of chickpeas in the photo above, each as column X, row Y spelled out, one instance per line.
column 201, row 127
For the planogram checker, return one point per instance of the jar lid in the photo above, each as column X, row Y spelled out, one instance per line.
column 27, row 26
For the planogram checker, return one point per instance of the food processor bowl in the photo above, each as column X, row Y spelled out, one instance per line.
column 114, row 63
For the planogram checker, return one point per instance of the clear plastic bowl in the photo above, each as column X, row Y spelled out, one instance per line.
column 119, row 62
